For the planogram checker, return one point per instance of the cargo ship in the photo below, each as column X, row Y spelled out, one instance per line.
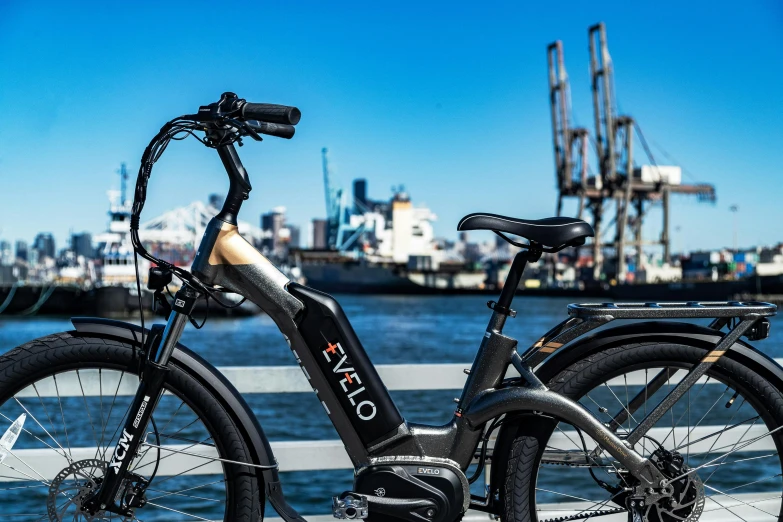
column 385, row 247
column 104, row 284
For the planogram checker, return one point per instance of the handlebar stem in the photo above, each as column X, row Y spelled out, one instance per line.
column 239, row 188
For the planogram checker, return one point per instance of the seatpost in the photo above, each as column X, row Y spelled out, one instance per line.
column 503, row 306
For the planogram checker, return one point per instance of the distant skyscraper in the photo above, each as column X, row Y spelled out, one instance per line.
column 44, row 245
column 360, row 196
column 501, row 245
column 216, row 200
column 81, row 244
column 6, row 255
column 319, row 234
column 21, row 250
column 294, row 237
column 271, row 223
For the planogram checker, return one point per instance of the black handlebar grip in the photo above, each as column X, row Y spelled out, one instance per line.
column 271, row 113
column 273, row 129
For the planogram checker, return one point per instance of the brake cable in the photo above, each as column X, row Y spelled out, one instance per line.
column 177, row 129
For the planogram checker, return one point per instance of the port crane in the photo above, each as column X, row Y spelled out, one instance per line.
column 633, row 189
column 340, row 234
column 334, row 197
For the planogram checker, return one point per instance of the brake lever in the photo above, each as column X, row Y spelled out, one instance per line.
column 244, row 127
column 251, row 132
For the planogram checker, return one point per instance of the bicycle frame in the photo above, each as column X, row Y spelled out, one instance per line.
column 347, row 384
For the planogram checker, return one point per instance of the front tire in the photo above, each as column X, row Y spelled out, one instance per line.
column 75, row 393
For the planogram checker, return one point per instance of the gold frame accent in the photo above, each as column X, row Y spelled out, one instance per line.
column 230, row 248
column 713, row 356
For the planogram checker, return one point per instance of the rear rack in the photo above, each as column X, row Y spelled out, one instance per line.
column 742, row 317
column 677, row 310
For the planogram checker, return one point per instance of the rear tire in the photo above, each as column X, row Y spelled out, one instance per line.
column 518, row 492
column 65, row 357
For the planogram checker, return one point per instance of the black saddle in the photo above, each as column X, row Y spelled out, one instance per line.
column 556, row 232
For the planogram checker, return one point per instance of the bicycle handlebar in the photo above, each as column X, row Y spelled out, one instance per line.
column 272, row 129
column 271, row 113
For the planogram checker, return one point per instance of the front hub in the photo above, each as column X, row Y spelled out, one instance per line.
column 72, row 489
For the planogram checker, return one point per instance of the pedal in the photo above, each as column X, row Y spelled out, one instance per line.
column 350, row 507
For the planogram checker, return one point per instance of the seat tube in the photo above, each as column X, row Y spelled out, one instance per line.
column 496, row 350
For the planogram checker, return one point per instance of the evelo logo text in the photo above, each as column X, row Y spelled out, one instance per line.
column 351, row 384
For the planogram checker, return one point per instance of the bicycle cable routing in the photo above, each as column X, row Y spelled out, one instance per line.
column 224, row 122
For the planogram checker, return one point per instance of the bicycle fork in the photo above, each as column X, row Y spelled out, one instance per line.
column 147, row 396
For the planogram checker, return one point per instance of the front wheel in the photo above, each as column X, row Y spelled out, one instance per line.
column 73, row 395
column 721, row 440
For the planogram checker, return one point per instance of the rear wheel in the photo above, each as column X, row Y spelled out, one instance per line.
column 75, row 393
column 723, row 437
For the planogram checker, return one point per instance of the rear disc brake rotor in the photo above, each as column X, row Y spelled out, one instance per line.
column 686, row 502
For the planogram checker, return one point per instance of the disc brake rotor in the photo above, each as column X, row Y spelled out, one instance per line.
column 686, row 502
column 71, row 487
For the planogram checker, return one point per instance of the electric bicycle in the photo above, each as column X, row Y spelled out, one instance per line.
column 653, row 420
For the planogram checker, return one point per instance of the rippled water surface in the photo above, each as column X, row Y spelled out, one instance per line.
column 393, row 329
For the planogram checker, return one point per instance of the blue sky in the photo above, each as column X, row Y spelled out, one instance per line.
column 447, row 98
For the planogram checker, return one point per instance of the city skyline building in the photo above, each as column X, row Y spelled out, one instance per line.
column 6, row 254
column 81, row 244
column 319, row 239
column 21, row 250
column 44, row 244
column 272, row 224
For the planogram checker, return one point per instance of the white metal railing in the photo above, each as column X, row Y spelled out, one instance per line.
column 309, row 455
column 321, row 454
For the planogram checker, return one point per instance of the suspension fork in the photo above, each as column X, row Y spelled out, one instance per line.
column 147, row 396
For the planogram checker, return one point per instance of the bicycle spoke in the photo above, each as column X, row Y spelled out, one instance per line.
column 623, row 406
column 737, row 500
column 177, row 511
column 64, row 453
column 62, row 416
column 179, row 494
column 36, row 437
column 184, row 490
column 167, row 456
column 748, row 443
column 208, row 461
column 690, row 427
column 767, row 499
column 45, row 409
column 727, row 428
column 111, row 408
column 87, row 408
column 731, row 451
column 563, row 494
column 756, row 481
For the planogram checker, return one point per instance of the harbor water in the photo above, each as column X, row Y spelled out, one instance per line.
column 393, row 329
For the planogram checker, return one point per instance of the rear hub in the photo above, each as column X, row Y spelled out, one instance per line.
column 679, row 500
